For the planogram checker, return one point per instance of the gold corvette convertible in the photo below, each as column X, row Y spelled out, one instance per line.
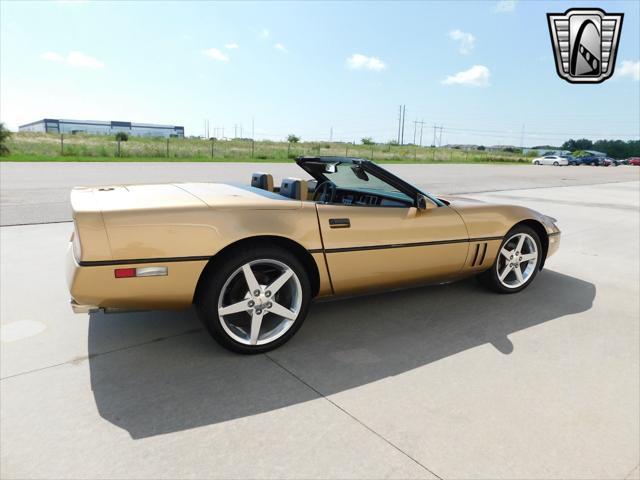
column 251, row 258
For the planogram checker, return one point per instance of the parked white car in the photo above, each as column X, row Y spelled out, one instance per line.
column 554, row 160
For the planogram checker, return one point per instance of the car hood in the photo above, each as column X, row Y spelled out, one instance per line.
column 494, row 219
column 455, row 200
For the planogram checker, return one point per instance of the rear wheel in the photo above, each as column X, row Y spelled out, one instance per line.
column 517, row 263
column 254, row 300
column 556, row 164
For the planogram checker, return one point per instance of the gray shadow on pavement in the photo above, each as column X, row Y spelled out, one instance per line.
column 179, row 378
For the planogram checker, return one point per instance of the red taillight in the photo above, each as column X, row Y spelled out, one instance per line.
column 125, row 272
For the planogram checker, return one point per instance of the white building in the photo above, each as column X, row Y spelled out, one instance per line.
column 97, row 127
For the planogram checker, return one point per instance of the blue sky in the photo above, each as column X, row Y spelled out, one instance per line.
column 480, row 69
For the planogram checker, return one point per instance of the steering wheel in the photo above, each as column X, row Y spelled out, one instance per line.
column 325, row 192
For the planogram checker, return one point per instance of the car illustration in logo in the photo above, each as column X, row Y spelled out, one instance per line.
column 585, row 43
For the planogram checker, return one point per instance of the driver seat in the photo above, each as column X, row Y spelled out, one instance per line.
column 294, row 188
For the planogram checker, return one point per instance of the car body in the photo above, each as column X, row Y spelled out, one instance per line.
column 592, row 160
column 611, row 162
column 360, row 229
column 555, row 160
column 633, row 161
column 570, row 159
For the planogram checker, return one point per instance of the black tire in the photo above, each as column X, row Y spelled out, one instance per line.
column 556, row 164
column 536, row 162
column 489, row 278
column 216, row 275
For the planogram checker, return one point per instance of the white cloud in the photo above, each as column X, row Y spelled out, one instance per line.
column 79, row 59
column 631, row 69
column 264, row 33
column 73, row 59
column 357, row 61
column 466, row 41
column 504, row 6
column 476, row 76
column 216, row 54
column 281, row 47
column 231, row 46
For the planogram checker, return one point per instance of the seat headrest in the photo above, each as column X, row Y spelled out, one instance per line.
column 262, row 180
column 294, row 188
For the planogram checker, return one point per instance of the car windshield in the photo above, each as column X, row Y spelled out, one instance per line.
column 354, row 177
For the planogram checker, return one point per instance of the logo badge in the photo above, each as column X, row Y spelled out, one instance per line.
column 585, row 43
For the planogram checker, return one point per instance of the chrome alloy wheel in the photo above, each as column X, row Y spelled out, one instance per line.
column 259, row 302
column 517, row 260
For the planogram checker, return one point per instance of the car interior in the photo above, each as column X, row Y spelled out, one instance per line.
column 326, row 192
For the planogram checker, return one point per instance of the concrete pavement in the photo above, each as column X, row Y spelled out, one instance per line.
column 449, row 381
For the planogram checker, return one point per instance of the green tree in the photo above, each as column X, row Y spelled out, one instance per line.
column 122, row 136
column 293, row 138
column 367, row 141
column 580, row 144
column 4, row 136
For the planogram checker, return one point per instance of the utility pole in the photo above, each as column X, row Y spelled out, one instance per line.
column 421, row 128
column 253, row 130
column 434, row 135
column 415, row 127
column 399, row 123
column 522, row 138
column 331, row 134
column 440, row 139
column 404, row 114
column 235, row 130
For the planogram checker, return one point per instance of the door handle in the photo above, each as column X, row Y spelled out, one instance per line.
column 339, row 223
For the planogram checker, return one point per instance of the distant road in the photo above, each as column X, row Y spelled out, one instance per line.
column 39, row 192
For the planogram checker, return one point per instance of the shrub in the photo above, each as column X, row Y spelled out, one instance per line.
column 4, row 136
column 122, row 136
column 293, row 138
column 367, row 141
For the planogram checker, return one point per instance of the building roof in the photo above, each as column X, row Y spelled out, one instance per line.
column 102, row 123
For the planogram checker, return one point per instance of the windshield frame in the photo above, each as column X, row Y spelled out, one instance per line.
column 315, row 166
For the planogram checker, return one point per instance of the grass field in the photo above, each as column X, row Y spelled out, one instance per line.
column 40, row 147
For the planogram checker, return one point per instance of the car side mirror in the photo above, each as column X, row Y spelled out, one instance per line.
column 423, row 203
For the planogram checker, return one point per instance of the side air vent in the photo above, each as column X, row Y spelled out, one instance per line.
column 480, row 252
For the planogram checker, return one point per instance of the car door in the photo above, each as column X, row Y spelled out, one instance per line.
column 371, row 247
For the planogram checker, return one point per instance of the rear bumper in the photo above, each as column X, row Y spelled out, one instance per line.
column 95, row 287
column 77, row 308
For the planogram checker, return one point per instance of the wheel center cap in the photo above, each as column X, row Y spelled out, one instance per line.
column 260, row 302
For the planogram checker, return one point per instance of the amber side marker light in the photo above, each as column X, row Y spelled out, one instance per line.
column 140, row 272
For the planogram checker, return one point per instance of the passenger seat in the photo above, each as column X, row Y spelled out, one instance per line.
column 263, row 181
column 294, row 188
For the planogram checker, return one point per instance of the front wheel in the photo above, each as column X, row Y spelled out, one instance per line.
column 556, row 164
column 517, row 263
column 536, row 162
column 254, row 300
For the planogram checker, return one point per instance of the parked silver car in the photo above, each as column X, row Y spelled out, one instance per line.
column 554, row 160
